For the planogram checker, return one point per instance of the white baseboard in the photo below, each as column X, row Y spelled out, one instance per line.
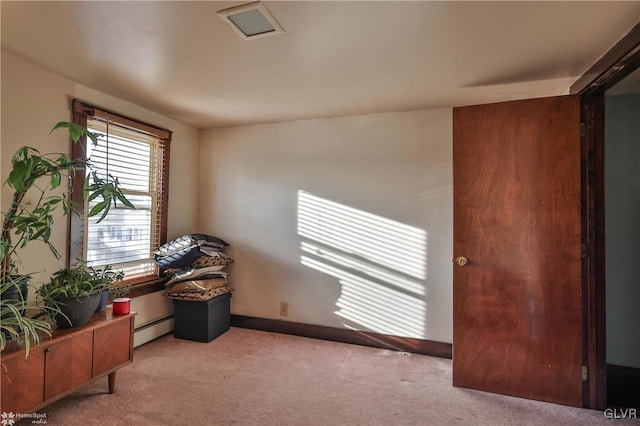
column 149, row 332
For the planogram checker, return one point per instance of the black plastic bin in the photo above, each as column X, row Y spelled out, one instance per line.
column 202, row 321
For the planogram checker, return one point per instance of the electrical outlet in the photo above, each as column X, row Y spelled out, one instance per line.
column 284, row 309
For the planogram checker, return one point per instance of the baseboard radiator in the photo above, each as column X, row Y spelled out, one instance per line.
column 152, row 330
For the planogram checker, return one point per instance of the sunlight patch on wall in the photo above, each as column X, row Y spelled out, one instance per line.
column 382, row 241
column 379, row 263
column 369, row 269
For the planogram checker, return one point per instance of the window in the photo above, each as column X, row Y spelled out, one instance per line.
column 138, row 155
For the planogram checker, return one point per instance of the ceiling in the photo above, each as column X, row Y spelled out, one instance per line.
column 335, row 58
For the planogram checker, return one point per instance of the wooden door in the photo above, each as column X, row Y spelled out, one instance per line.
column 518, row 300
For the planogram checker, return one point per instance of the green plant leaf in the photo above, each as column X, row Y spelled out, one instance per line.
column 20, row 155
column 124, row 199
column 54, row 250
column 93, row 195
column 31, row 163
column 17, row 176
column 102, row 205
column 56, row 179
column 93, row 137
column 75, row 131
column 59, row 125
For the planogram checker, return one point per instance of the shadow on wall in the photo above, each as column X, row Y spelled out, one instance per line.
column 380, row 264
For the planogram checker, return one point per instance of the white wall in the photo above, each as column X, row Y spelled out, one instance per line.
column 349, row 220
column 33, row 100
column 387, row 178
column 622, row 193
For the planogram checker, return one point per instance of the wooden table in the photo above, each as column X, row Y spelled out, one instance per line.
column 65, row 362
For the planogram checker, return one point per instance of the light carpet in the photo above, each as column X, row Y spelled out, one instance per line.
column 249, row 377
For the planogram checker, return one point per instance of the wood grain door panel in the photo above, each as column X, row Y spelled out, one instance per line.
column 112, row 347
column 518, row 302
column 22, row 381
column 67, row 364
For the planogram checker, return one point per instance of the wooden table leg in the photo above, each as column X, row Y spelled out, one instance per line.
column 112, row 381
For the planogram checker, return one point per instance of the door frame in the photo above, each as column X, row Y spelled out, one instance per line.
column 615, row 65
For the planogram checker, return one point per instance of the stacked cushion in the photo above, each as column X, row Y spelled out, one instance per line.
column 209, row 294
column 193, row 263
column 196, row 274
column 186, row 249
column 199, row 286
column 216, row 261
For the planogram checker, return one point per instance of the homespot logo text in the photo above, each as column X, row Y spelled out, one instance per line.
column 10, row 419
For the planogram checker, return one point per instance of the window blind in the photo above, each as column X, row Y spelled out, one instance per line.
column 126, row 238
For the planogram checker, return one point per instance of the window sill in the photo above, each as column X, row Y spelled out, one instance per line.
column 146, row 287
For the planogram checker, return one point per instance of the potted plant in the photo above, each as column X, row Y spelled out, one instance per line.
column 13, row 304
column 121, row 304
column 111, row 279
column 76, row 292
column 33, row 178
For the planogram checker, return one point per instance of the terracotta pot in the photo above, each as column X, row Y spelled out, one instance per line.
column 121, row 306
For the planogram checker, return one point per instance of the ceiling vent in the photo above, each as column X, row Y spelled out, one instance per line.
column 251, row 20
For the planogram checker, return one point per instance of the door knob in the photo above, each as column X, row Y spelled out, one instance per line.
column 461, row 260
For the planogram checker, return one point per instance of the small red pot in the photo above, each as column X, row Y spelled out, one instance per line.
column 121, row 306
